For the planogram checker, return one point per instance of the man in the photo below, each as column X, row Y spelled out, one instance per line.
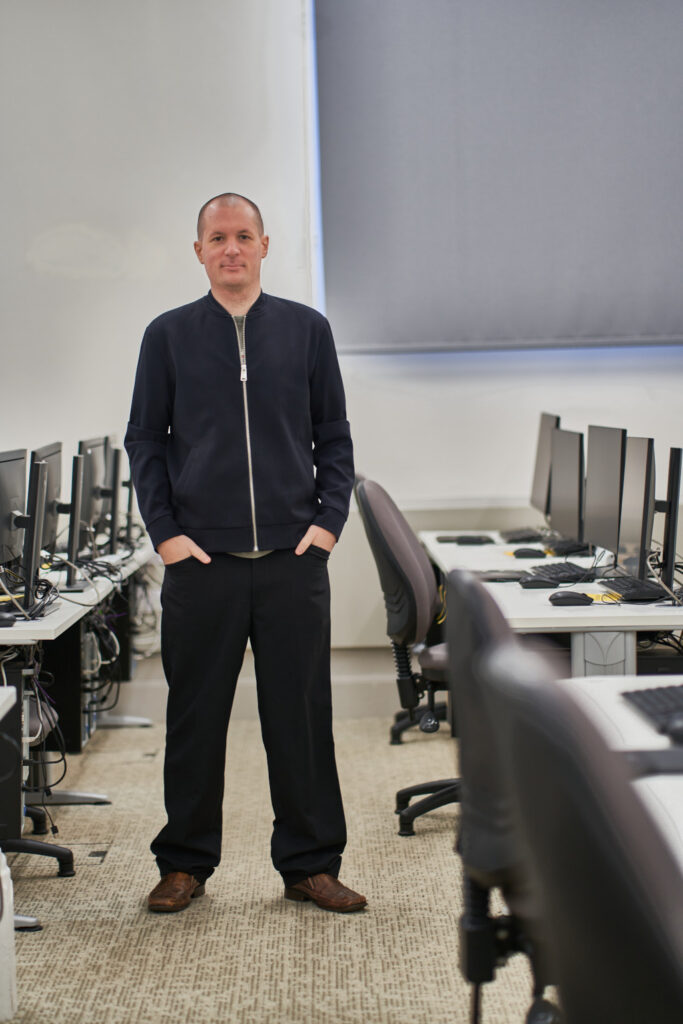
column 241, row 456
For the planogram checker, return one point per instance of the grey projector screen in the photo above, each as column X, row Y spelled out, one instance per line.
column 501, row 174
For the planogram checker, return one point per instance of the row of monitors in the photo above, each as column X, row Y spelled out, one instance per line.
column 29, row 520
column 612, row 505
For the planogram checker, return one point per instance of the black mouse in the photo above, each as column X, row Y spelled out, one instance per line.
column 570, row 597
column 7, row 619
column 529, row 553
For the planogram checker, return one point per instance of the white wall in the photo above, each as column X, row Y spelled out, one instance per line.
column 119, row 120
column 459, row 429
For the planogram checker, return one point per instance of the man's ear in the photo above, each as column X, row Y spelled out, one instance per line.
column 198, row 250
column 265, row 240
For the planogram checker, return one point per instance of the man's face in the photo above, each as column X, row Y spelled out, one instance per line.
column 231, row 247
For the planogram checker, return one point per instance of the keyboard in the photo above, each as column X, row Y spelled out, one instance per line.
column 465, row 538
column 500, row 575
column 658, row 704
column 522, row 536
column 631, row 589
column 564, row 572
column 568, row 547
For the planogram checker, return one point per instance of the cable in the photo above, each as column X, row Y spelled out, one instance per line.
column 14, row 601
column 671, row 594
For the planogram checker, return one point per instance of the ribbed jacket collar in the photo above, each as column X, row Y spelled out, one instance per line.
column 257, row 309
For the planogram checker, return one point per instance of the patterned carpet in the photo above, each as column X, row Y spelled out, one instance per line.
column 241, row 953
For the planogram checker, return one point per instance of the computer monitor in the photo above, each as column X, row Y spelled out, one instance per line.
column 566, row 483
column 673, row 497
column 52, row 455
column 637, row 506
column 540, row 488
column 111, row 493
column 604, row 479
column 74, row 510
column 93, row 452
column 33, row 532
column 12, row 504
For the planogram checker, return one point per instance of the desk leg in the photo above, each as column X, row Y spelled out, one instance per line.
column 603, row 654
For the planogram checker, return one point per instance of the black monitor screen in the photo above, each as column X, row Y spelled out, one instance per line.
column 540, row 488
column 108, row 478
column 566, row 483
column 93, row 481
column 637, row 505
column 52, row 454
column 12, row 500
column 604, row 475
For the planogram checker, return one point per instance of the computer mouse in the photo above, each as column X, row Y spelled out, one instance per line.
column 537, row 583
column 673, row 728
column 529, row 553
column 7, row 619
column 570, row 597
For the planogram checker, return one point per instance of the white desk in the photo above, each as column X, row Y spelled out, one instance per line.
column 624, row 728
column 73, row 606
column 603, row 636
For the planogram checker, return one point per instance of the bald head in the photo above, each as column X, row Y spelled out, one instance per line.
column 229, row 199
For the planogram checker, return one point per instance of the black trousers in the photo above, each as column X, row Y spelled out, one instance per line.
column 281, row 604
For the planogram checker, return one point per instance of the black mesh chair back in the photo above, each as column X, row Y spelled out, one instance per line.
column 609, row 888
column 473, row 625
column 406, row 574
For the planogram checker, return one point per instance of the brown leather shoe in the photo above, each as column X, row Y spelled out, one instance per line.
column 174, row 892
column 327, row 892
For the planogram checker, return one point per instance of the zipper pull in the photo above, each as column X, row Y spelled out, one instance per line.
column 243, row 372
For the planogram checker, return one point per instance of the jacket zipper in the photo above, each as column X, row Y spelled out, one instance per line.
column 240, row 327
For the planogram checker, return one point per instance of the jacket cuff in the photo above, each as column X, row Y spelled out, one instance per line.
column 163, row 529
column 330, row 519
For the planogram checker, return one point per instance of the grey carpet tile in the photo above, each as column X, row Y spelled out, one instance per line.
column 242, row 953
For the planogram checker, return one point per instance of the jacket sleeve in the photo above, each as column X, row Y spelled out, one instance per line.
column 332, row 446
column 147, row 436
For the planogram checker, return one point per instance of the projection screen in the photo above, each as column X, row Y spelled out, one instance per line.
column 501, row 175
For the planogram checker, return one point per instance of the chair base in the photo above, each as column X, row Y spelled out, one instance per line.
column 63, row 855
column 441, row 793
column 24, row 923
column 403, row 721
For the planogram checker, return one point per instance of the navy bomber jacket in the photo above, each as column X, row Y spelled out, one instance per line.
column 240, row 457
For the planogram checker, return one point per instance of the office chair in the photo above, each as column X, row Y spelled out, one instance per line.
column 436, row 711
column 12, row 807
column 610, row 891
column 486, row 842
column 412, row 603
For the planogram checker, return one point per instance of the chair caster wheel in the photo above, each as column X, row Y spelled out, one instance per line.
column 429, row 722
column 543, row 1012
